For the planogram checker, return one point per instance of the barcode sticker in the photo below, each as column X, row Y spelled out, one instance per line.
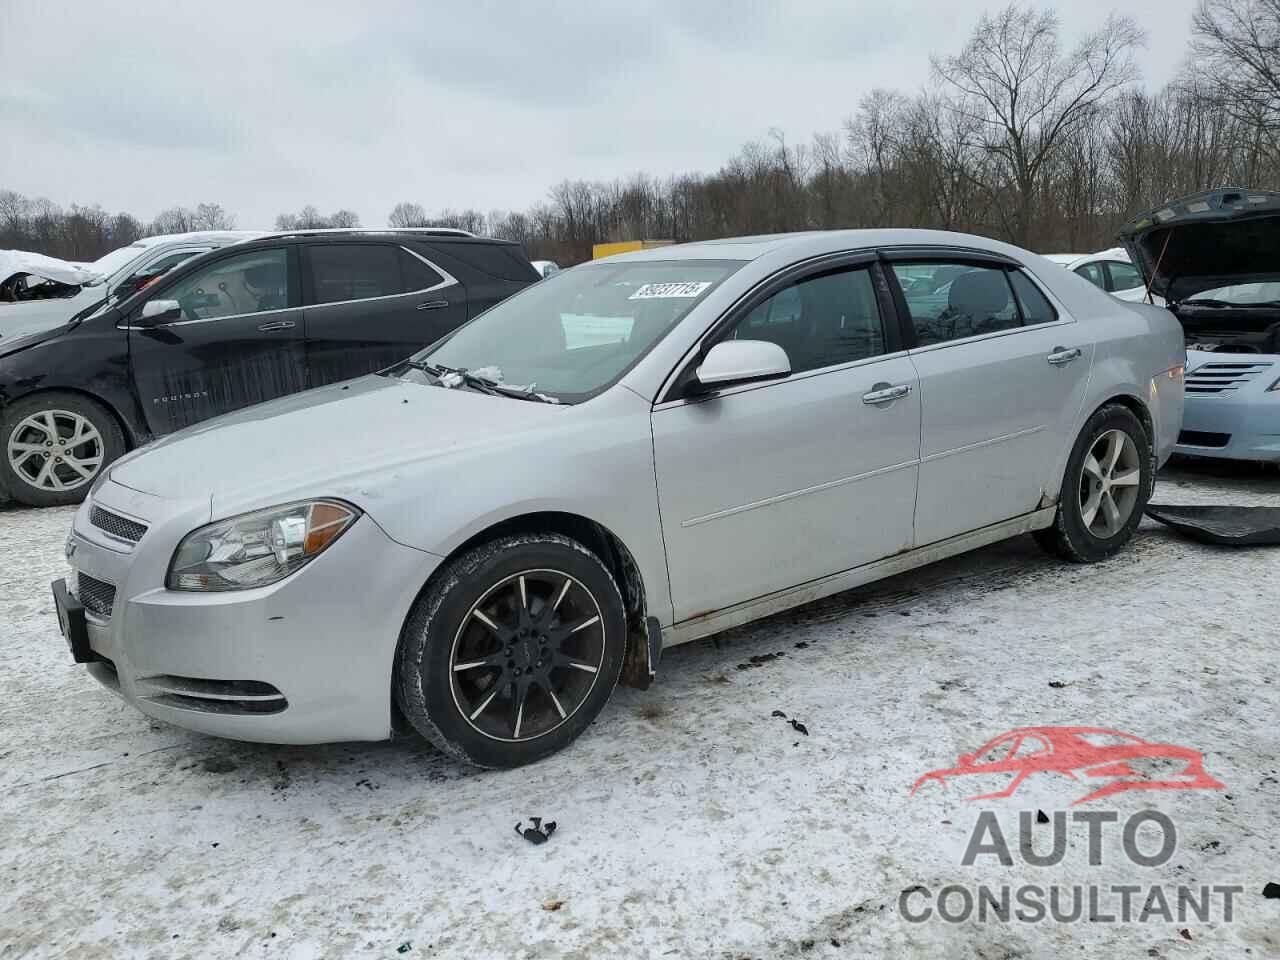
column 667, row 291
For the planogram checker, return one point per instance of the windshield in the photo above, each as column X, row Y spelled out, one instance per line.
column 113, row 261
column 576, row 332
column 1242, row 293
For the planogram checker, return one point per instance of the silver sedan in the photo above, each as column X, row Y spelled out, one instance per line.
column 481, row 542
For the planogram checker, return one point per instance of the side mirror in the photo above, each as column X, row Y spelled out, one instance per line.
column 156, row 312
column 732, row 362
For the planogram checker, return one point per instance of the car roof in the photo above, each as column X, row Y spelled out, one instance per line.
column 811, row 243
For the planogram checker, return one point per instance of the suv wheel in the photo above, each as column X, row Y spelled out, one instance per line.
column 55, row 445
column 1105, row 491
column 513, row 650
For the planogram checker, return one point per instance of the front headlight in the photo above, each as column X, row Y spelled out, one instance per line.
column 258, row 548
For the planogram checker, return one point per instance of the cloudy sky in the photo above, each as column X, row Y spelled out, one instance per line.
column 267, row 105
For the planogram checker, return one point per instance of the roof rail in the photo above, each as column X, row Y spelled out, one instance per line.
column 317, row 231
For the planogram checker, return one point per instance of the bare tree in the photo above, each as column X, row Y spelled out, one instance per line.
column 407, row 215
column 1236, row 58
column 310, row 218
column 1013, row 79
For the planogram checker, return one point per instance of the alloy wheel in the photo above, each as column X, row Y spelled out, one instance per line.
column 527, row 655
column 55, row 450
column 1110, row 481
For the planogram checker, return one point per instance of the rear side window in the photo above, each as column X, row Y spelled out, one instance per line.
column 417, row 275
column 1124, row 276
column 1035, row 306
column 355, row 271
column 500, row 260
column 949, row 301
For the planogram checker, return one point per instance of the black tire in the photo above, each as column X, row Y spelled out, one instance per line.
column 1070, row 538
column 442, row 633
column 23, row 479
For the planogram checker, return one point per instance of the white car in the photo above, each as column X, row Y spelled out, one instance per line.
column 485, row 538
column 40, row 293
column 1109, row 270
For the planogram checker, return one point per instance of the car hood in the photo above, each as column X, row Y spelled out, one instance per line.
column 51, row 268
column 1208, row 240
column 343, row 438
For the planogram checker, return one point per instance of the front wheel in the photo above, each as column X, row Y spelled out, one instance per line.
column 54, row 446
column 513, row 650
column 1105, row 490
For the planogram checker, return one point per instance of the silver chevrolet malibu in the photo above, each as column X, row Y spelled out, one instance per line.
column 481, row 542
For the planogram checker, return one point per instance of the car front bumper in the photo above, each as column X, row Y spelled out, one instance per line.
column 1243, row 424
column 306, row 660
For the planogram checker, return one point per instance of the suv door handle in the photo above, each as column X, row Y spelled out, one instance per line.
column 275, row 325
column 433, row 304
column 884, row 393
column 1062, row 355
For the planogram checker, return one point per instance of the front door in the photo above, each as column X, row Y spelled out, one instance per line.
column 1002, row 378
column 767, row 486
column 237, row 342
column 371, row 305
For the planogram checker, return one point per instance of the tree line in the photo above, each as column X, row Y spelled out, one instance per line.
column 1017, row 136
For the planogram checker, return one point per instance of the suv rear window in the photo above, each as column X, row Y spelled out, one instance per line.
column 501, row 260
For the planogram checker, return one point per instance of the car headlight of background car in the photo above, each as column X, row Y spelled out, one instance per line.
column 259, row 548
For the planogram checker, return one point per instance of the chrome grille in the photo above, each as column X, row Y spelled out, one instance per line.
column 1214, row 378
column 116, row 525
column 96, row 595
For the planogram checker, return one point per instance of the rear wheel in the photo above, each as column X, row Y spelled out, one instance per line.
column 513, row 651
column 1105, row 490
column 55, row 445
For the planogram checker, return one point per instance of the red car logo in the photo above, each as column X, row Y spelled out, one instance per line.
column 1128, row 762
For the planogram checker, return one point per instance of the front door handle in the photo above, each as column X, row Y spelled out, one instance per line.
column 1062, row 355
column 885, row 393
column 433, row 304
column 275, row 325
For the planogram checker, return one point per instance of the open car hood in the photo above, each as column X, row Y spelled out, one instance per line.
column 51, row 268
column 1205, row 241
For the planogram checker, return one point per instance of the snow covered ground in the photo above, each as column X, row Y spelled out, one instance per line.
column 691, row 821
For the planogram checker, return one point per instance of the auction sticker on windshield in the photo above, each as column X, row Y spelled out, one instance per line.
column 668, row 291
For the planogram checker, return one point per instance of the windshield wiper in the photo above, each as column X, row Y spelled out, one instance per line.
column 482, row 384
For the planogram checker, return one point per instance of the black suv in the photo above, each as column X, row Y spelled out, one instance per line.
column 236, row 326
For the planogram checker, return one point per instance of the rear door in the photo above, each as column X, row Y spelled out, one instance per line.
column 1002, row 377
column 371, row 304
column 238, row 340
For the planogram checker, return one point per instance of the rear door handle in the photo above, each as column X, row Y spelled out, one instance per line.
column 884, row 393
column 433, row 304
column 1062, row 355
column 275, row 325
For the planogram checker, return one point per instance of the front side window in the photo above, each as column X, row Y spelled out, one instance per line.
column 950, row 301
column 573, row 334
column 820, row 321
column 244, row 284
column 153, row 271
column 1124, row 276
column 354, row 271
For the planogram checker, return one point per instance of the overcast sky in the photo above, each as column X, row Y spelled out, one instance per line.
column 267, row 105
